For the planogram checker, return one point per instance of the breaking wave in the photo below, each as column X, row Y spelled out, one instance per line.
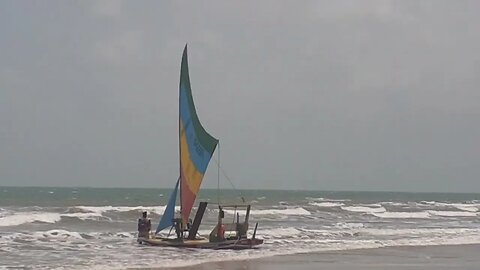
column 470, row 207
column 364, row 209
column 320, row 199
column 102, row 209
column 406, row 215
column 452, row 213
column 341, row 227
column 298, row 211
column 326, row 204
column 9, row 218
column 44, row 217
column 28, row 217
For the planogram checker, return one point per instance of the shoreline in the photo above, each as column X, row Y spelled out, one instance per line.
column 462, row 256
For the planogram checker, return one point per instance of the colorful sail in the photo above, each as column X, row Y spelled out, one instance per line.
column 196, row 145
column 169, row 213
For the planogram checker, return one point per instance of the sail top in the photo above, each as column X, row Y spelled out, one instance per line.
column 196, row 144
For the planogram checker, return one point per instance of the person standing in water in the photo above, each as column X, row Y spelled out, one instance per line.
column 144, row 227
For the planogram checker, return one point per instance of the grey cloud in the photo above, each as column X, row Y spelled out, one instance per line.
column 349, row 95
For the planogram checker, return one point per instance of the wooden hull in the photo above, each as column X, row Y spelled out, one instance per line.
column 203, row 243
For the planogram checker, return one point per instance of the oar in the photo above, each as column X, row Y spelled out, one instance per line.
column 255, row 231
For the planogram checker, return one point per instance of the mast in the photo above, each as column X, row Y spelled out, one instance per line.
column 179, row 135
column 218, row 173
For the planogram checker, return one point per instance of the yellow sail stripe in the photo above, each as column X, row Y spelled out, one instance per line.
column 192, row 175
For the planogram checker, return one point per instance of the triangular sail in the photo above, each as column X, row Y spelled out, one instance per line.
column 167, row 218
column 196, row 145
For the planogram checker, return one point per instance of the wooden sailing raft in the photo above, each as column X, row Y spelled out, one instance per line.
column 196, row 147
column 223, row 235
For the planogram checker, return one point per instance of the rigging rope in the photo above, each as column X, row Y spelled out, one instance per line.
column 218, row 174
column 228, row 178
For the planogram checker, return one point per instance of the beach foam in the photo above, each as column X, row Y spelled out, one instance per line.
column 279, row 232
column 405, row 215
column 349, row 225
column 298, row 211
column 452, row 213
column 58, row 234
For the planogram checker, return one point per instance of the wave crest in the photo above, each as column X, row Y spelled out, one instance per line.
column 365, row 209
column 29, row 217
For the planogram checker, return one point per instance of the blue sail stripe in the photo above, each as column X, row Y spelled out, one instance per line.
column 169, row 213
column 198, row 154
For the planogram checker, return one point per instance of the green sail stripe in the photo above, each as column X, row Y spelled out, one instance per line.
column 205, row 139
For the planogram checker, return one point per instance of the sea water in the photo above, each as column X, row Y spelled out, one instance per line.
column 95, row 228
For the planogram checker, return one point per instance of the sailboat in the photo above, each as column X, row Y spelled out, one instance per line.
column 196, row 147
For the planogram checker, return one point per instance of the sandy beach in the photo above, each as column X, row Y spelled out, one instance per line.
column 412, row 258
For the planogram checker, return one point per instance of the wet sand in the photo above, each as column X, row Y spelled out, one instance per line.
column 412, row 258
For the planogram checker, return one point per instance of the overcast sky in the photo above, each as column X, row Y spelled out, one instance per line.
column 328, row 95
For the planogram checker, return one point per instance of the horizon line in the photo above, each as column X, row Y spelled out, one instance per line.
column 264, row 189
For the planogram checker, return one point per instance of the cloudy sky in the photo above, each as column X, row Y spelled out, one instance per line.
column 329, row 95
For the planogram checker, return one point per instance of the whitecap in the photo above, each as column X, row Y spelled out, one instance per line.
column 288, row 211
column 29, row 217
column 326, row 204
column 394, row 203
column 419, row 231
column 402, row 214
column 83, row 216
column 267, row 212
column 465, row 207
column 320, row 199
column 428, row 202
column 364, row 209
column 102, row 209
column 349, row 225
column 452, row 213
column 60, row 234
column 461, row 206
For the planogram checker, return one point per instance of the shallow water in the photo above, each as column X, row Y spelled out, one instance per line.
column 84, row 228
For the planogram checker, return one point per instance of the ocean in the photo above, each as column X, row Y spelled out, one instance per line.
column 95, row 228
